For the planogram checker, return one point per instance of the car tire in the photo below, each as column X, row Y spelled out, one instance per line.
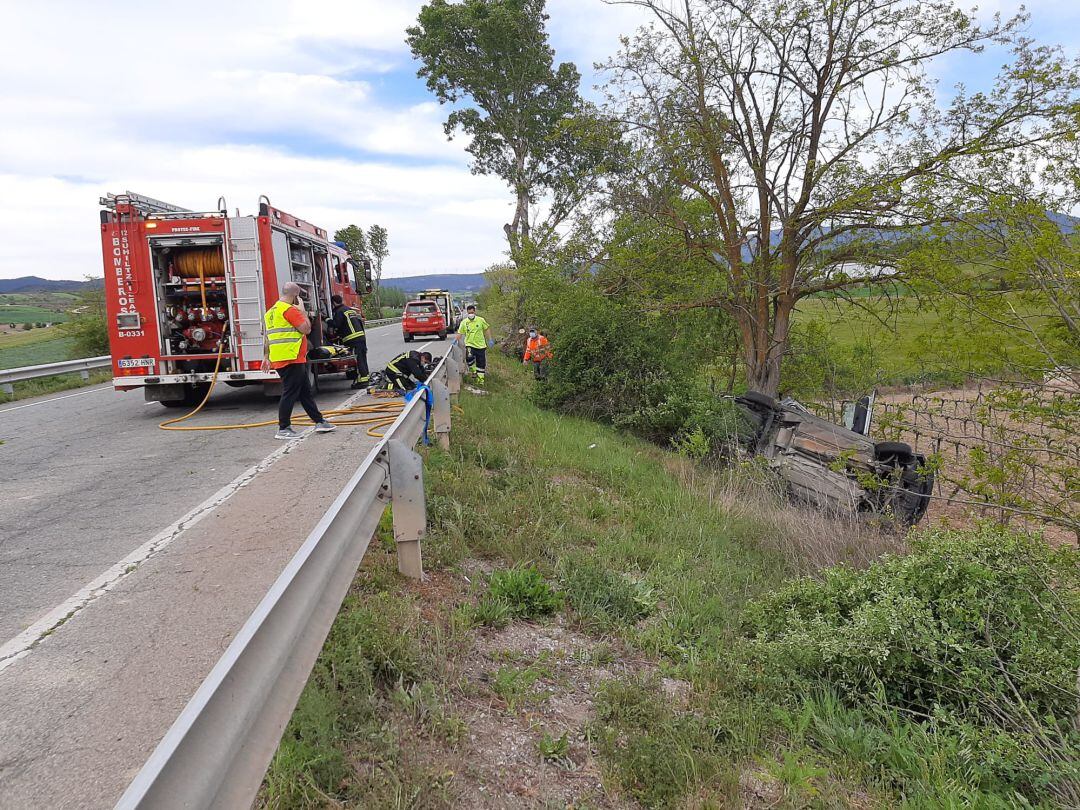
column 172, row 403
column 442, row 335
column 897, row 450
column 760, row 399
column 407, row 337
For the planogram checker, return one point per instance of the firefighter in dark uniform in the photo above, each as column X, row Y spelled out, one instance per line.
column 407, row 369
column 349, row 331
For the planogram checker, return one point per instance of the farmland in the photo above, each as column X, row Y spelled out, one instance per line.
column 49, row 307
column 34, row 347
column 906, row 341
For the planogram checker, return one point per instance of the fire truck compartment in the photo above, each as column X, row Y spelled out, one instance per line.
column 193, row 304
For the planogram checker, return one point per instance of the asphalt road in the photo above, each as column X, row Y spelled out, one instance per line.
column 87, row 477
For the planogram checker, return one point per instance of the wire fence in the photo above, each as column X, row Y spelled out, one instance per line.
column 1007, row 452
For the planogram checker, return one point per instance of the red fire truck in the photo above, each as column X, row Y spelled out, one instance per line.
column 183, row 287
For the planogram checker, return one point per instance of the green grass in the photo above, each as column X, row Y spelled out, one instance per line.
column 34, row 347
column 903, row 341
column 626, row 544
column 16, row 313
column 549, row 501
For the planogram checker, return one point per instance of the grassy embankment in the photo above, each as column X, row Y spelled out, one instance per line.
column 582, row 641
column 39, row 346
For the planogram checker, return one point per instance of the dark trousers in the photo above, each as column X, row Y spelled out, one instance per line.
column 396, row 381
column 476, row 357
column 295, row 386
column 358, row 347
column 539, row 368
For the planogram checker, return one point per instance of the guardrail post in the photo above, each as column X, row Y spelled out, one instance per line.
column 453, row 373
column 410, row 510
column 8, row 389
column 441, row 412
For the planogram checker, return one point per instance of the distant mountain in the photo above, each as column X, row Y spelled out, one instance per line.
column 454, row 282
column 35, row 284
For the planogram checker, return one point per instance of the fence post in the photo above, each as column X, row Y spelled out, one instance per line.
column 410, row 510
column 441, row 413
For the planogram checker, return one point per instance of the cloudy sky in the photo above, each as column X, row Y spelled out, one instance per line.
column 314, row 103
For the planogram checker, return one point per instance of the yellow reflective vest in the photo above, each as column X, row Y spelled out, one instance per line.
column 285, row 339
column 473, row 330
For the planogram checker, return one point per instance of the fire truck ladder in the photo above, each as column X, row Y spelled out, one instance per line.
column 141, row 203
column 247, row 287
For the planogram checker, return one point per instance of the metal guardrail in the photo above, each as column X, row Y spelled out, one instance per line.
column 382, row 321
column 87, row 364
column 84, row 365
column 217, row 751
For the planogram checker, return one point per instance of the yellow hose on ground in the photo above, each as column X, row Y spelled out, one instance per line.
column 380, row 414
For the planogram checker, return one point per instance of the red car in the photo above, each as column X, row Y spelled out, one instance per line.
column 422, row 318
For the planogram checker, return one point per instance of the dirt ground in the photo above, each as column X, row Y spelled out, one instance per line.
column 497, row 763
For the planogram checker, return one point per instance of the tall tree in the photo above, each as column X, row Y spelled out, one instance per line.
column 525, row 119
column 379, row 245
column 795, row 144
column 355, row 240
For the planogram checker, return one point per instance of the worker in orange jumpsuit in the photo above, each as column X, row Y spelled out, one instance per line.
column 537, row 352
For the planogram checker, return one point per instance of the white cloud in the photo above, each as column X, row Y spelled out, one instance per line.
column 239, row 99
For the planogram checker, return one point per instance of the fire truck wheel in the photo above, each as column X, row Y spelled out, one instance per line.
column 194, row 394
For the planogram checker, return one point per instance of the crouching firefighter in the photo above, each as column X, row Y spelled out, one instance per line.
column 404, row 371
column 349, row 331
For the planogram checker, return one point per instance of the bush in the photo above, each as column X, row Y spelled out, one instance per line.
column 976, row 635
column 603, row 596
column 89, row 329
column 643, row 373
column 517, row 593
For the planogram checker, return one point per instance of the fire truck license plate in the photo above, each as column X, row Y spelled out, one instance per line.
column 138, row 362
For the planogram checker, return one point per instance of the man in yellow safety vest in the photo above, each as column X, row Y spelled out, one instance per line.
column 287, row 328
column 477, row 334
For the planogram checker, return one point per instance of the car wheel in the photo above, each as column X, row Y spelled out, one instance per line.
column 172, row 403
column 407, row 337
column 442, row 335
column 759, row 399
column 894, row 450
column 912, row 493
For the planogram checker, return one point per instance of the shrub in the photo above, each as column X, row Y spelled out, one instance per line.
column 605, row 596
column 974, row 634
column 517, row 593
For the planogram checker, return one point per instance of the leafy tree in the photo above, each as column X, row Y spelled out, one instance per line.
column 525, row 119
column 1008, row 266
column 378, row 243
column 355, row 240
column 797, row 146
column 89, row 328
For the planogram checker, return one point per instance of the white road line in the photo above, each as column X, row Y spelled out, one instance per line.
column 24, row 643
column 57, row 399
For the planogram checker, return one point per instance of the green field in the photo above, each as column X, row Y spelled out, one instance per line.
column 21, row 313
column 907, row 342
column 34, row 347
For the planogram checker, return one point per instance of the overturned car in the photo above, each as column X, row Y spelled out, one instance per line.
column 833, row 467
